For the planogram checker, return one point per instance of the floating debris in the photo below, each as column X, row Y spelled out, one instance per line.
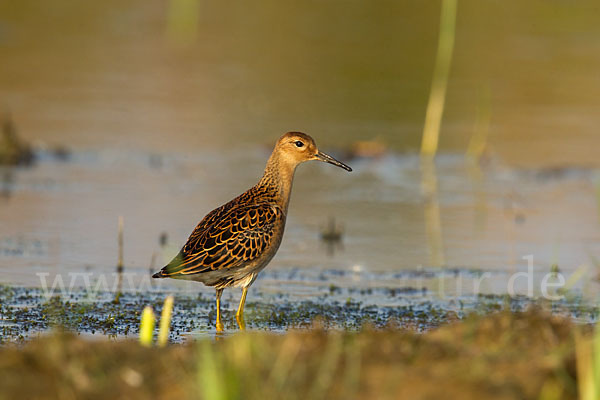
column 163, row 239
column 332, row 236
column 13, row 151
column 368, row 149
column 7, row 180
column 61, row 153
column 120, row 267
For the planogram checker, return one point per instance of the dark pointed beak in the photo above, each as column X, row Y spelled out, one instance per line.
column 328, row 159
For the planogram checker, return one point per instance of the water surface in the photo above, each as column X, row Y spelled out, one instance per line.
column 169, row 117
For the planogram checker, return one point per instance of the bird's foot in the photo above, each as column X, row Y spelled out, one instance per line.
column 219, row 325
column 240, row 320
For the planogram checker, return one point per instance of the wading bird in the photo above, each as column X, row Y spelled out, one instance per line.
column 234, row 242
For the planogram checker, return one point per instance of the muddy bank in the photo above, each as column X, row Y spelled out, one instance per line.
column 500, row 356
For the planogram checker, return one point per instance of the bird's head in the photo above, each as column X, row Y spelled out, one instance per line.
column 298, row 147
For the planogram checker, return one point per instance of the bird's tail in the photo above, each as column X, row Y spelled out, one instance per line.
column 159, row 274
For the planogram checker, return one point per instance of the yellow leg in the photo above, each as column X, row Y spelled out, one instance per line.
column 219, row 323
column 239, row 315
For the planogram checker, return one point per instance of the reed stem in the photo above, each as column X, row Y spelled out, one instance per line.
column 441, row 72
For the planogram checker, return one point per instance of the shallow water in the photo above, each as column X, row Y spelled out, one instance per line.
column 168, row 119
column 60, row 220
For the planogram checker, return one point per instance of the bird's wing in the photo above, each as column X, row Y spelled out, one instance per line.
column 226, row 238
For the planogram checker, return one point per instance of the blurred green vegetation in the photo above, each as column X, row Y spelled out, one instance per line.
column 500, row 356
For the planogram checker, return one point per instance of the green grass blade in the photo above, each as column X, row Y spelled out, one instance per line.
column 147, row 326
column 165, row 321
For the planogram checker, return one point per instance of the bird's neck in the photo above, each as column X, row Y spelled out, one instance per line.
column 277, row 180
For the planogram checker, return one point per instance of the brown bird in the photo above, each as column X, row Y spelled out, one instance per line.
column 234, row 242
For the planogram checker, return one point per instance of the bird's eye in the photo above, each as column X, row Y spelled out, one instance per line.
column 298, row 143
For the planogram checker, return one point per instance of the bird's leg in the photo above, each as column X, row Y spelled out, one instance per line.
column 239, row 315
column 219, row 323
